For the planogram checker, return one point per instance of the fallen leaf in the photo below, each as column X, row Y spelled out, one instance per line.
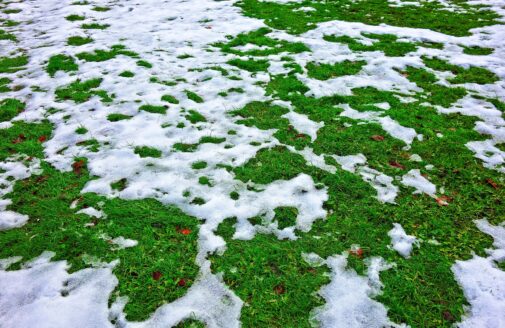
column 157, row 275
column 279, row 289
column 19, row 139
column 397, row 165
column 181, row 283
column 77, row 166
column 377, row 137
column 492, row 183
column 358, row 252
column 185, row 231
column 42, row 138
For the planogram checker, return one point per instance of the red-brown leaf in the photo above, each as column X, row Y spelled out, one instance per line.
column 397, row 165
column 157, row 275
column 181, row 283
column 279, row 289
column 377, row 137
column 492, row 183
column 42, row 138
column 19, row 139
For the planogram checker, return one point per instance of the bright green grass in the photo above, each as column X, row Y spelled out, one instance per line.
column 7, row 36
column 146, row 151
column 323, row 71
column 386, row 43
column 10, row 108
column 4, row 84
column 81, row 91
column 154, row 109
column 61, row 63
column 193, row 96
column 78, row 40
column 430, row 15
column 195, row 117
column 12, row 64
column 162, row 247
column 250, row 65
column 102, row 55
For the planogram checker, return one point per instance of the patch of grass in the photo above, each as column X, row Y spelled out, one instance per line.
column 285, row 216
column 100, row 9
column 78, row 40
column 94, row 26
column 477, row 51
column 195, row 117
column 146, row 151
column 386, row 43
column 199, row 165
column 250, row 65
column 115, row 117
column 323, row 72
column 61, row 63
column 143, row 63
column 259, row 38
column 81, row 130
column 170, row 99
column 429, row 15
column 4, row 84
column 74, row 18
column 12, row 64
column 204, row 181
column 7, row 36
column 149, row 274
column 154, row 109
column 103, row 55
column 473, row 74
column 126, row 74
column 10, row 108
column 193, row 96
column 81, row 91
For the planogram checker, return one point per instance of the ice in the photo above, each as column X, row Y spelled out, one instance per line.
column 414, row 179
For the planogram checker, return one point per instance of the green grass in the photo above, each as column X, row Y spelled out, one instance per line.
column 477, row 51
column 193, row 96
column 143, row 63
column 154, row 109
column 94, row 26
column 169, row 99
column 260, row 38
column 10, row 108
column 195, row 117
column 115, row 117
column 81, row 91
column 126, row 74
column 12, row 64
column 472, row 74
column 199, row 165
column 61, row 63
column 4, row 84
column 250, row 65
column 323, row 72
column 78, row 40
column 145, row 151
column 162, row 247
column 7, row 36
column 430, row 15
column 386, row 43
column 104, row 55
column 74, row 18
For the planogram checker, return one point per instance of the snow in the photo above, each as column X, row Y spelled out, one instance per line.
column 414, row 179
column 401, row 242
column 349, row 296
column 483, row 282
column 33, row 296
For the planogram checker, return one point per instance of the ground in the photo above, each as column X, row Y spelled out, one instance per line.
column 252, row 163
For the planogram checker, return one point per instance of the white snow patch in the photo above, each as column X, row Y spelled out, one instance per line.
column 401, row 242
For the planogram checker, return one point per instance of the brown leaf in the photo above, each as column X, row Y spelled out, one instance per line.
column 19, row 139
column 377, row 137
column 397, row 165
column 77, row 166
column 181, row 282
column 279, row 289
column 492, row 183
column 157, row 275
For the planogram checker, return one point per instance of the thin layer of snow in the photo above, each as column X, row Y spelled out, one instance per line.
column 400, row 241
